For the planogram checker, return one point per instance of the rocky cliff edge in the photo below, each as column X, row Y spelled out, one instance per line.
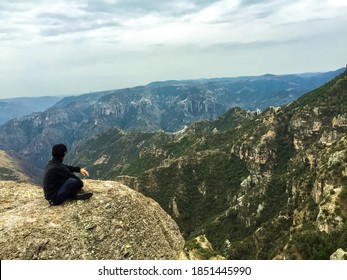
column 116, row 223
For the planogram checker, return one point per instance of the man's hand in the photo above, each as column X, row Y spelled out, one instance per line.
column 84, row 172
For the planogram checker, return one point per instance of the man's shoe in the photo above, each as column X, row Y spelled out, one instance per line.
column 83, row 196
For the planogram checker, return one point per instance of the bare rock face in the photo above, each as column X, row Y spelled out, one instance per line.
column 339, row 254
column 116, row 223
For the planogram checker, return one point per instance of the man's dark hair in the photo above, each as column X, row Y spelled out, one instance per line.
column 59, row 150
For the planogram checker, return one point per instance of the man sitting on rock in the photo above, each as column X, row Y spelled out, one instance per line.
column 60, row 183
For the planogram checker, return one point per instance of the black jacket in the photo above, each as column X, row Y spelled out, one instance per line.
column 56, row 173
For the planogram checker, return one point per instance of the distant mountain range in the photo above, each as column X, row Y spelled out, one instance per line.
column 168, row 106
column 18, row 107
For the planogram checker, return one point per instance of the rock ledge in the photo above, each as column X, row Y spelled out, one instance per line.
column 116, row 223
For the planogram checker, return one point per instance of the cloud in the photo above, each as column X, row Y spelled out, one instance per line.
column 69, row 46
column 55, row 24
column 133, row 21
column 136, row 7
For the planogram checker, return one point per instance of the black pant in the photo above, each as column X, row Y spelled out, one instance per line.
column 68, row 190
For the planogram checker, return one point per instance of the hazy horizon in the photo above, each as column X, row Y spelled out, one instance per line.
column 202, row 78
column 75, row 47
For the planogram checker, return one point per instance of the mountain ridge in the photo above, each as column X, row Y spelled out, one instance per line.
column 169, row 108
column 11, row 108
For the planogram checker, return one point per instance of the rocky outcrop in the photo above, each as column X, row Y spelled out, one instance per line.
column 339, row 254
column 116, row 223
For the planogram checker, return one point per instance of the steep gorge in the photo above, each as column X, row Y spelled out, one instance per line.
column 259, row 186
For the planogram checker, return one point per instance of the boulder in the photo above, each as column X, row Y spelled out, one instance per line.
column 339, row 254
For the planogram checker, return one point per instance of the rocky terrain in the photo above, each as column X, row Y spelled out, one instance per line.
column 116, row 223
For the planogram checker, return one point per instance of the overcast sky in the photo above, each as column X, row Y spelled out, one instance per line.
column 67, row 47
